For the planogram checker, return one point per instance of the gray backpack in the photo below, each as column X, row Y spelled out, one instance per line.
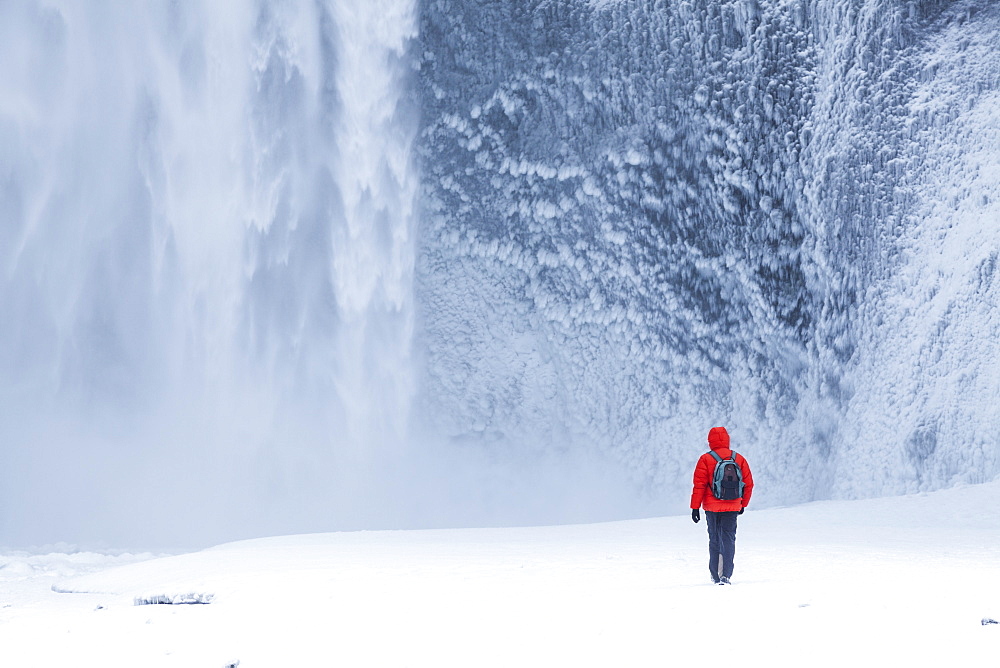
column 727, row 483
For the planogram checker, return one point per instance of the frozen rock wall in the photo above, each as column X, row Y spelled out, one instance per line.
column 646, row 218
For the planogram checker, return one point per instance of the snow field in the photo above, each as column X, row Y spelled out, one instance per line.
column 902, row 581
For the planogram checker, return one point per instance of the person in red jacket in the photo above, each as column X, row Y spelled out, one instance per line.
column 720, row 515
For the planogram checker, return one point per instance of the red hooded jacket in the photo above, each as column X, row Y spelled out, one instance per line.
column 701, row 495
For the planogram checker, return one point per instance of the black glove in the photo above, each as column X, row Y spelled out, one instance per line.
column 695, row 515
column 741, row 510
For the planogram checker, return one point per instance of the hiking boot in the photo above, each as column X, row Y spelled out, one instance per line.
column 724, row 580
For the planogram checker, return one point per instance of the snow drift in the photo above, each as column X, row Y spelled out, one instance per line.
column 903, row 580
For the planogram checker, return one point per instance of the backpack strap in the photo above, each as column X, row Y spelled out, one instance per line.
column 715, row 455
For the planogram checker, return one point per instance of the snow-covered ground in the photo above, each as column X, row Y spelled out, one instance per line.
column 903, row 581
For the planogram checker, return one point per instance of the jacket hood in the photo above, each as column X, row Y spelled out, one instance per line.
column 718, row 438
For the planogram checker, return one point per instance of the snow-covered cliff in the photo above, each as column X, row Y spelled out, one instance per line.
column 644, row 218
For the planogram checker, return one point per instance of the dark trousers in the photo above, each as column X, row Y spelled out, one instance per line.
column 721, row 543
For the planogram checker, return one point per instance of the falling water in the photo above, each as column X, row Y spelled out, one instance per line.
column 372, row 263
column 207, row 261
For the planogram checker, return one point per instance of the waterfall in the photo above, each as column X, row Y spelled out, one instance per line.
column 373, row 252
column 207, row 256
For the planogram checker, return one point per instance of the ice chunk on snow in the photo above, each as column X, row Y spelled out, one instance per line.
column 192, row 598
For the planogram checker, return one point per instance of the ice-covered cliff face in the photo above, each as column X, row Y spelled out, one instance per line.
column 287, row 266
column 644, row 218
